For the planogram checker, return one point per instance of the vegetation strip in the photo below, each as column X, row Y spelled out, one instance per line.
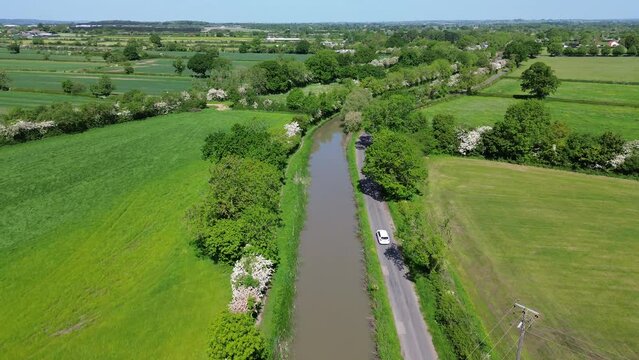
column 386, row 339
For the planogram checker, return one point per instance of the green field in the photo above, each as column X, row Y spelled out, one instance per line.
column 560, row 242
column 154, row 85
column 576, row 91
column 95, row 260
column 613, row 69
column 13, row 99
column 478, row 110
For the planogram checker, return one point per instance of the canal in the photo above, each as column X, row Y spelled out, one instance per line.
column 332, row 309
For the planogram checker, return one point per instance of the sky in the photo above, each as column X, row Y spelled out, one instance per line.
column 286, row 11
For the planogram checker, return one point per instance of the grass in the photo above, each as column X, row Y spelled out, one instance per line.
column 560, row 242
column 12, row 99
column 576, row 91
column 95, row 258
column 386, row 339
column 51, row 82
column 611, row 69
column 278, row 312
column 478, row 110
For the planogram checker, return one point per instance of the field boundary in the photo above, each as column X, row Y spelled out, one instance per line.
column 555, row 99
column 586, row 81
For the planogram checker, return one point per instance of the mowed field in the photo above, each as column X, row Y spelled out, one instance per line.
column 584, row 106
column 612, row 69
column 476, row 111
column 95, row 260
column 13, row 99
column 562, row 243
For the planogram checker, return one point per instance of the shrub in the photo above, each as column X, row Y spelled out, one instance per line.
column 73, row 88
column 14, row 48
column 295, row 99
column 5, row 81
column 128, row 69
column 103, row 88
column 234, row 336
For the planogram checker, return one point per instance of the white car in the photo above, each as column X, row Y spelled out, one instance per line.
column 382, row 237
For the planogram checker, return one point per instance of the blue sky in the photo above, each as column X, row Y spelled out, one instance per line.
column 317, row 11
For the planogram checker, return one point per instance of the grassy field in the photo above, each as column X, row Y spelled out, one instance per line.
column 43, row 81
column 560, row 242
column 614, row 69
column 12, row 99
column 478, row 110
column 576, row 91
column 95, row 260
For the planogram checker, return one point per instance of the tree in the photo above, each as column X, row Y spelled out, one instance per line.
column 525, row 131
column 71, row 87
column 445, row 134
column 200, row 64
column 619, row 50
column 588, row 151
column 295, row 99
column 630, row 40
column 606, row 50
column 103, row 88
column 244, row 48
column 539, row 80
column 520, row 50
column 632, row 51
column 593, row 50
column 5, row 81
column 234, row 336
column 302, row 47
column 324, row 66
column 156, row 40
column 130, row 51
column 178, row 66
column 556, row 49
column 391, row 113
column 277, row 80
column 128, row 69
column 394, row 162
column 14, row 48
column 239, row 183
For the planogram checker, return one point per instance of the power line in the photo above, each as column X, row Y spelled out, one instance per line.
column 527, row 315
column 506, row 313
column 581, row 351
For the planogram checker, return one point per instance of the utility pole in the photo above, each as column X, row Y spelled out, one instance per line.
column 522, row 326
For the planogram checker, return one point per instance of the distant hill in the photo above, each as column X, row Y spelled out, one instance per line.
column 32, row 22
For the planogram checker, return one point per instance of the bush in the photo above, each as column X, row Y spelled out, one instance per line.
column 14, row 48
column 129, row 69
column 103, row 88
column 251, row 141
column 587, row 151
column 73, row 88
column 234, row 336
column 5, row 81
column 295, row 99
column 630, row 165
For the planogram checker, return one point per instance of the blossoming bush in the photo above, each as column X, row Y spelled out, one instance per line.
column 249, row 281
column 292, row 129
column 628, row 149
column 216, row 94
column 470, row 139
column 25, row 130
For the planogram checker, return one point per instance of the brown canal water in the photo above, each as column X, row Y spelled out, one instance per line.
column 332, row 308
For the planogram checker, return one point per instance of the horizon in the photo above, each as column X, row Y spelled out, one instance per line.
column 328, row 11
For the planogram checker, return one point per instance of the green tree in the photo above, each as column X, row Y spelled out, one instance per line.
column 619, row 50
column 324, row 66
column 128, row 69
column 71, row 87
column 156, row 40
column 588, row 151
column 445, row 134
column 14, row 48
column 244, row 48
column 103, row 88
column 5, row 81
column 130, row 51
column 200, row 64
column 520, row 50
column 525, row 132
column 234, row 336
column 539, row 80
column 302, row 47
column 276, row 76
column 631, row 165
column 632, row 51
column 178, row 66
column 556, row 49
column 239, row 183
column 630, row 40
column 606, row 50
column 391, row 113
column 295, row 99
column 394, row 162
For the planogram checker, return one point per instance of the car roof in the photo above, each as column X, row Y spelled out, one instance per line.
column 382, row 233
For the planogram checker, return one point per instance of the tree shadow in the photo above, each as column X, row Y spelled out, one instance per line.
column 524, row 97
column 364, row 141
column 394, row 254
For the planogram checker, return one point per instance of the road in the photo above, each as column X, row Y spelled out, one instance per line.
column 414, row 338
